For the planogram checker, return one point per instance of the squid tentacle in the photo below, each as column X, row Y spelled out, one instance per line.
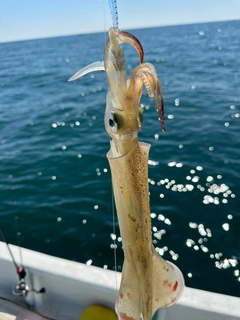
column 146, row 74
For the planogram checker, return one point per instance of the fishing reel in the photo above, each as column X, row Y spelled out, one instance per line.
column 22, row 288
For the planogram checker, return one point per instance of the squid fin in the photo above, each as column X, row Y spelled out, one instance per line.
column 95, row 66
column 168, row 283
column 166, row 288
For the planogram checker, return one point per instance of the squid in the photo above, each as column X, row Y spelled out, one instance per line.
column 148, row 281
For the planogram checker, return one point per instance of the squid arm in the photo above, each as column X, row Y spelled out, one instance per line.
column 95, row 66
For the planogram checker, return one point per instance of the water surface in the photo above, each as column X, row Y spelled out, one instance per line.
column 55, row 181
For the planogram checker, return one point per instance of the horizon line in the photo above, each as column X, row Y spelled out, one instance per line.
column 103, row 31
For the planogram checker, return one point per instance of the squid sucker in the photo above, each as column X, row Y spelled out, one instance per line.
column 148, row 281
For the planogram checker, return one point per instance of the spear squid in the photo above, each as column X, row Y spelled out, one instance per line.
column 148, row 281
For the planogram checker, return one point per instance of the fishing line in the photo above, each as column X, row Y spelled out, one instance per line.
column 114, row 237
column 104, row 22
column 114, row 14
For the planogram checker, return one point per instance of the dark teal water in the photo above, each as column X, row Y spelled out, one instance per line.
column 55, row 184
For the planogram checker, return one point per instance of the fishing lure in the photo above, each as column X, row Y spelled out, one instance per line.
column 114, row 13
column 148, row 281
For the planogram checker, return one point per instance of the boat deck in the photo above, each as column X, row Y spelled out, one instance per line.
column 12, row 311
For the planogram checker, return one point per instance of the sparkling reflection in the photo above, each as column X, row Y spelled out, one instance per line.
column 89, row 262
column 216, row 193
column 225, row 226
column 220, row 261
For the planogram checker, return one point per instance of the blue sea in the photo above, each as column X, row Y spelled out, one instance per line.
column 55, row 182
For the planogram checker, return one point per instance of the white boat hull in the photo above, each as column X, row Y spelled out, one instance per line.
column 71, row 287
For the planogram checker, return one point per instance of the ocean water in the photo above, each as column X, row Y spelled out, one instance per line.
column 55, row 183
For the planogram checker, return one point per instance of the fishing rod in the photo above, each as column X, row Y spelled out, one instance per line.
column 20, row 271
column 21, row 288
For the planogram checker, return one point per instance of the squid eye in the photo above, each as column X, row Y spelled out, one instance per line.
column 113, row 122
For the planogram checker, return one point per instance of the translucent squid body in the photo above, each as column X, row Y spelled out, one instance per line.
column 148, row 281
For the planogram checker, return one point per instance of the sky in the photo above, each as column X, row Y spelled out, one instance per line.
column 32, row 19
